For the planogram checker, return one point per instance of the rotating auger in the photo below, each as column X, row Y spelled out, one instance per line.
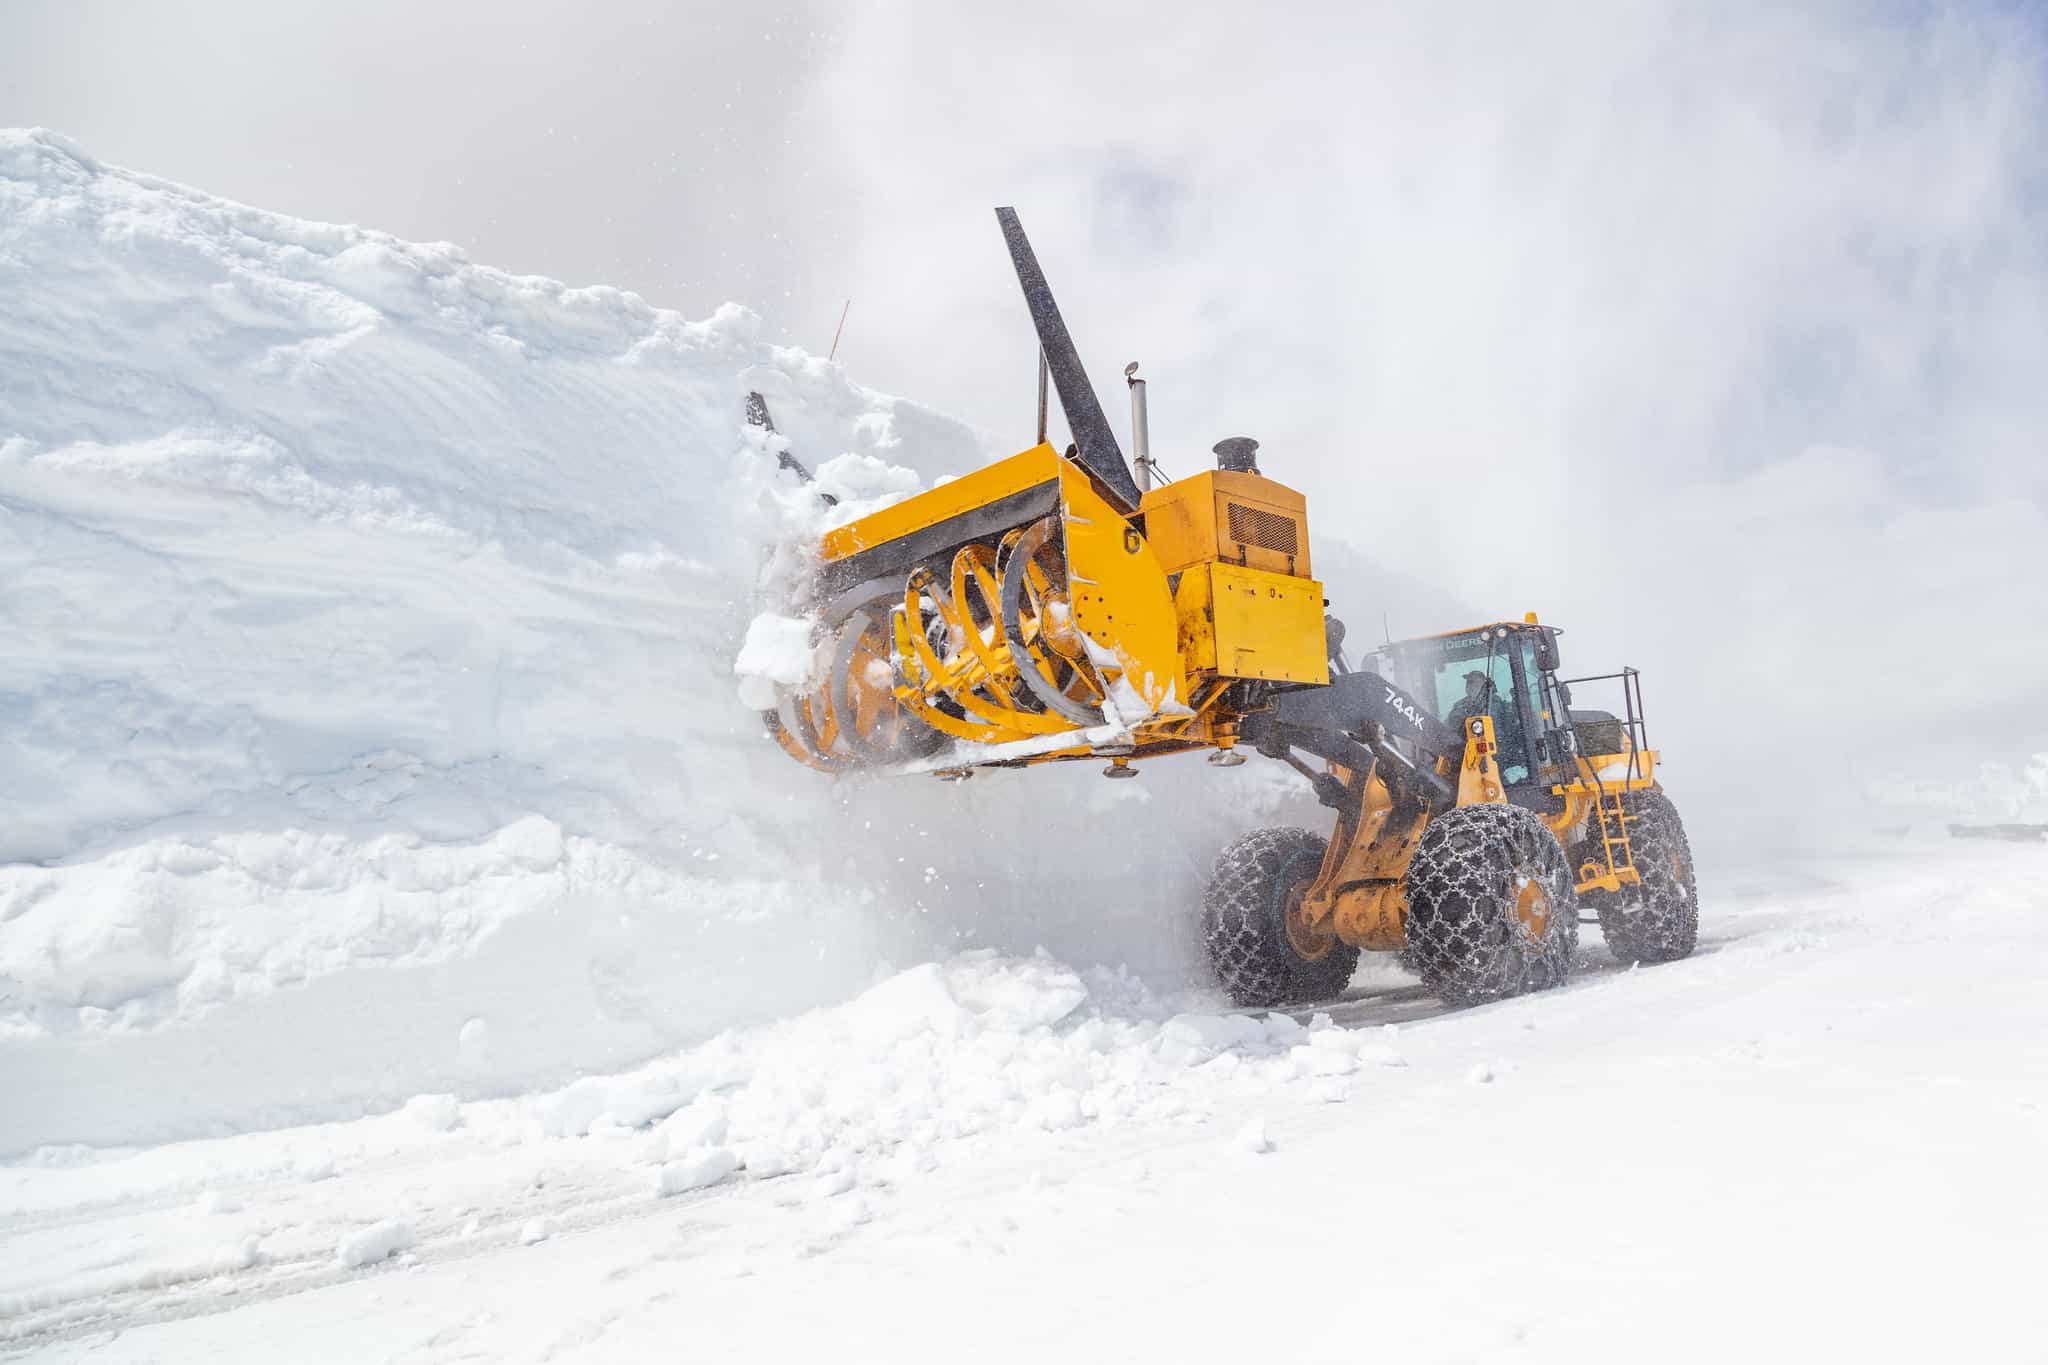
column 985, row 651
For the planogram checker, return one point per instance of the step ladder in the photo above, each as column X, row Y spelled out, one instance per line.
column 1621, row 858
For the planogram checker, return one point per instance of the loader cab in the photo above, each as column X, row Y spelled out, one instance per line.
column 1516, row 664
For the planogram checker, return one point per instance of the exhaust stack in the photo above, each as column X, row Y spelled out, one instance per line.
column 1141, row 430
column 1237, row 454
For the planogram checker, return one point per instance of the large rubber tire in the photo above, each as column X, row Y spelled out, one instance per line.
column 1244, row 917
column 1657, row 920
column 1463, row 885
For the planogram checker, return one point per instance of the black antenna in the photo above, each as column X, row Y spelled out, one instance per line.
column 1095, row 444
column 757, row 416
column 1041, row 395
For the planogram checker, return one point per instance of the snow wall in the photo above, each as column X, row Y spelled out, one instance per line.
column 368, row 712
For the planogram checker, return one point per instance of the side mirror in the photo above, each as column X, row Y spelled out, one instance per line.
column 1546, row 651
column 1564, row 696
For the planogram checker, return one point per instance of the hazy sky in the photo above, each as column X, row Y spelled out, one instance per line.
column 1719, row 332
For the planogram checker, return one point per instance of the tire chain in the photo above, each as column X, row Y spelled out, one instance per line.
column 1242, row 921
column 1463, row 933
column 1660, row 920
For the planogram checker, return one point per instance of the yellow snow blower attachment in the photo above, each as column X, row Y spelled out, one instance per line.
column 1047, row 607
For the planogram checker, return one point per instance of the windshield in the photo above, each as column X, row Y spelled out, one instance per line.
column 1461, row 676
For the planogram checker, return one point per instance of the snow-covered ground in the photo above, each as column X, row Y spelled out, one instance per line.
column 1818, row 1139
column 411, row 947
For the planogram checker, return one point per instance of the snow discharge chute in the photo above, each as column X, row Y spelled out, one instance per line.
column 1095, row 444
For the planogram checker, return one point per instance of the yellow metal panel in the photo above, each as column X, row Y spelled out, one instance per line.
column 1479, row 770
column 1358, row 893
column 1191, row 521
column 1180, row 521
column 1040, row 464
column 1602, row 772
column 1261, row 524
column 1373, row 916
column 1197, row 622
column 1268, row 625
column 1120, row 599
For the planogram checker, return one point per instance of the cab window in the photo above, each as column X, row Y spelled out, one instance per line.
column 1450, row 680
column 1448, row 689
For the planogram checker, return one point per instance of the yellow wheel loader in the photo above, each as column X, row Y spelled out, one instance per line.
column 1053, row 607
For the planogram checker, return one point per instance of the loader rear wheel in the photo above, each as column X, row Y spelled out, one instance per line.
column 1491, row 909
column 1657, row 920
column 1264, row 954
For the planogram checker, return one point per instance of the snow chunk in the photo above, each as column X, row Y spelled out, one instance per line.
column 777, row 649
column 1284, row 1029
column 1190, row 1038
column 1324, row 1061
column 378, row 1241
column 836, row 1181
column 701, row 1125
column 435, row 1113
column 1336, row 1040
column 906, row 1005
column 1061, row 1109
column 961, row 998
column 1385, row 1052
column 695, row 1172
column 632, row 1101
column 1253, row 1138
column 764, row 1160
column 1013, row 996
column 863, row 484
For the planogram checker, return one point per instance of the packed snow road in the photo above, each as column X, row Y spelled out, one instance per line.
column 1819, row 1137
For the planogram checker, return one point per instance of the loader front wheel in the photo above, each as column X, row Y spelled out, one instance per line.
column 1658, row 919
column 1491, row 906
column 1263, row 953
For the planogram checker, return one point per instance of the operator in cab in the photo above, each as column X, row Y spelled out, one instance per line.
column 1481, row 700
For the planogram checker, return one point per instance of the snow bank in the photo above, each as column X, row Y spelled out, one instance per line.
column 977, row 1043
column 369, row 708
column 841, row 1109
column 364, row 602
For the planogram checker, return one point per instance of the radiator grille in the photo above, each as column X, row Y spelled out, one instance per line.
column 1266, row 530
